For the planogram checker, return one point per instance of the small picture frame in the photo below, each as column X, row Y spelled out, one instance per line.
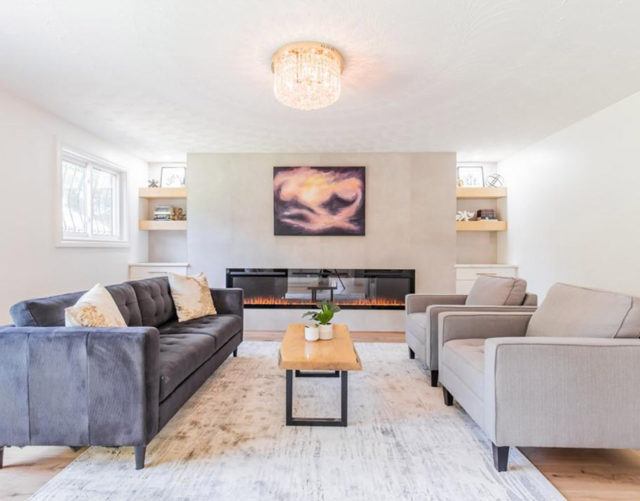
column 173, row 177
column 471, row 176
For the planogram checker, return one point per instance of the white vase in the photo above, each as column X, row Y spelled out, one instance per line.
column 326, row 331
column 311, row 332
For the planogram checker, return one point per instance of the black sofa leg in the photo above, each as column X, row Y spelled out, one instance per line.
column 500, row 457
column 75, row 448
column 235, row 352
column 1, row 456
column 141, row 450
column 412, row 354
column 448, row 397
column 434, row 378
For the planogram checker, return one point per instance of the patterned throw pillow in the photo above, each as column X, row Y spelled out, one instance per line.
column 191, row 296
column 95, row 308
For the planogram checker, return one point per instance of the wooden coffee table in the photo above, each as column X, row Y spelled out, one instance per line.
column 314, row 359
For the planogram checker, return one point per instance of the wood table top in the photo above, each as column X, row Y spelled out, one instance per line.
column 337, row 354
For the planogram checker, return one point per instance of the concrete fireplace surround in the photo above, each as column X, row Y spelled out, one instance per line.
column 410, row 214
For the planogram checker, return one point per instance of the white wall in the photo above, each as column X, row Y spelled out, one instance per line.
column 30, row 263
column 410, row 223
column 574, row 204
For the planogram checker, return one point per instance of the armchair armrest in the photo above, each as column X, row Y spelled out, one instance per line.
column 78, row 386
column 483, row 325
column 228, row 301
column 418, row 303
column 562, row 392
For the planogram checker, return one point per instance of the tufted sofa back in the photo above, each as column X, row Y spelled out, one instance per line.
column 154, row 300
column 49, row 311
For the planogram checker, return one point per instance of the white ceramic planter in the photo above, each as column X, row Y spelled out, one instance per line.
column 311, row 333
column 326, row 331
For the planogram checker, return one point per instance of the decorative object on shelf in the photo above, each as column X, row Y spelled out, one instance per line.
column 173, row 177
column 323, row 318
column 486, row 215
column 318, row 200
column 464, row 215
column 471, row 176
column 495, row 180
column 162, row 213
column 178, row 214
column 306, row 75
column 154, row 183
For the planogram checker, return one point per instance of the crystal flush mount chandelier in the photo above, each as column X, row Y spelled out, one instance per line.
column 306, row 75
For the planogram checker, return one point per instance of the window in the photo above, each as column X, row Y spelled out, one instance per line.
column 91, row 208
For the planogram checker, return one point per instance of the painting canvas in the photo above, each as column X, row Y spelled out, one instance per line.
column 318, row 200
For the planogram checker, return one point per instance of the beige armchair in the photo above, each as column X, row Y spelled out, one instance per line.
column 566, row 375
column 489, row 293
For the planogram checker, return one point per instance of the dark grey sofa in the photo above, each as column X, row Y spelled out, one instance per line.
column 80, row 386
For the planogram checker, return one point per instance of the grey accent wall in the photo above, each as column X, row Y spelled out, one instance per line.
column 410, row 217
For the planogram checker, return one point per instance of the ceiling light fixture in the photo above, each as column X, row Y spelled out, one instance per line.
column 306, row 75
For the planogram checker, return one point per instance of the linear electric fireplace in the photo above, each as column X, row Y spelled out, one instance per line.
column 304, row 288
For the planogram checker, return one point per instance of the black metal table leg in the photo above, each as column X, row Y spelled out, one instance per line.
column 344, row 389
column 317, row 374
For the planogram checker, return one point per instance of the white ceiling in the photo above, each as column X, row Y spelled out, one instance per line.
column 166, row 77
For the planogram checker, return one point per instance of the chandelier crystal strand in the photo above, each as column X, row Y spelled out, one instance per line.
column 307, row 75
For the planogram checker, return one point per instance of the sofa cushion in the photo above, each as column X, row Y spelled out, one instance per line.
column 489, row 290
column 192, row 296
column 465, row 357
column 570, row 311
column 49, row 311
column 220, row 327
column 180, row 356
column 95, row 308
column 154, row 299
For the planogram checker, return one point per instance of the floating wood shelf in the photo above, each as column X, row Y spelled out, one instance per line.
column 481, row 192
column 486, row 225
column 162, row 193
column 163, row 225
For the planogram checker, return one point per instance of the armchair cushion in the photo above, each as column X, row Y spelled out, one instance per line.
column 570, row 311
column 465, row 357
column 497, row 291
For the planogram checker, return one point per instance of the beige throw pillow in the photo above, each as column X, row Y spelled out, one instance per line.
column 95, row 308
column 191, row 296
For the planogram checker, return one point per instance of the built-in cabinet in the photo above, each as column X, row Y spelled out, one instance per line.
column 167, row 239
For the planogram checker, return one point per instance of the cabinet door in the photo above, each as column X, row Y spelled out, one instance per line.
column 140, row 272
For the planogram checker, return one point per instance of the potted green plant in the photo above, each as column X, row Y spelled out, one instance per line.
column 323, row 318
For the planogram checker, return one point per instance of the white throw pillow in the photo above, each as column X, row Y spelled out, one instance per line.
column 95, row 308
column 191, row 296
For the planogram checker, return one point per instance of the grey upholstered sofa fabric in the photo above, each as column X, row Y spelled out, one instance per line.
column 526, row 385
column 421, row 319
column 578, row 311
column 108, row 386
column 490, row 290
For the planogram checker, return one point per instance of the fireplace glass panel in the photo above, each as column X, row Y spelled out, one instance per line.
column 304, row 288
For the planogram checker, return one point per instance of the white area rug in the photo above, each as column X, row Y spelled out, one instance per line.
column 229, row 442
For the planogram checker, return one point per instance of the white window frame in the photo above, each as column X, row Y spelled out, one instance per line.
column 93, row 163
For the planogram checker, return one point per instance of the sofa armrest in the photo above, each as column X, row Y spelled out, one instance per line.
column 434, row 311
column 418, row 303
column 562, row 392
column 229, row 301
column 78, row 386
column 483, row 325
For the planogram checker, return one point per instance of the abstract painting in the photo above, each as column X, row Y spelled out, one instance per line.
column 318, row 200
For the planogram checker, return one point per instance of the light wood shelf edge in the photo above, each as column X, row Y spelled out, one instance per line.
column 487, row 225
column 162, row 193
column 146, row 225
column 488, row 192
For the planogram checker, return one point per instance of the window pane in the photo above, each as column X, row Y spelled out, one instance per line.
column 103, row 201
column 74, row 199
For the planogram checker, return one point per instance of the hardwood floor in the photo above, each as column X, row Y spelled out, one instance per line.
column 580, row 474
